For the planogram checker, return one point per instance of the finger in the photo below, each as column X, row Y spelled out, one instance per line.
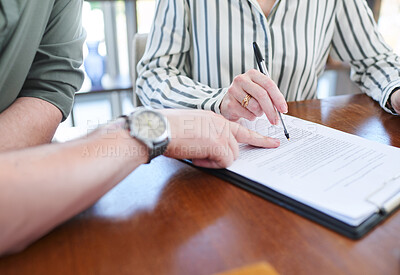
column 220, row 155
column 238, row 111
column 269, row 85
column 253, row 106
column 244, row 135
column 234, row 146
column 225, row 156
column 266, row 105
column 260, row 95
column 208, row 163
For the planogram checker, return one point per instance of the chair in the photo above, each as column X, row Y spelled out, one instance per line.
column 138, row 48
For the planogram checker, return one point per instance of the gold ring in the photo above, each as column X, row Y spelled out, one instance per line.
column 246, row 100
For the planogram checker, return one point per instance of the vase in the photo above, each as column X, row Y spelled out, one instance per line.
column 94, row 65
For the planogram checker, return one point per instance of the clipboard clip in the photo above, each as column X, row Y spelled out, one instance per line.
column 387, row 198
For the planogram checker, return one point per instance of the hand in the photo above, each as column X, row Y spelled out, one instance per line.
column 395, row 101
column 265, row 95
column 209, row 139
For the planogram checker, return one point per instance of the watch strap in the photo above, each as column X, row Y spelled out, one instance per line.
column 389, row 101
column 158, row 150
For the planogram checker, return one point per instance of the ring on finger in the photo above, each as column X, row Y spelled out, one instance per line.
column 246, row 100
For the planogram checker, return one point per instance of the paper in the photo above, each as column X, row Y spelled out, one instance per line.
column 332, row 171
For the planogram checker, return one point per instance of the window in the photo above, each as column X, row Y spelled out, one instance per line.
column 107, row 89
column 145, row 14
column 389, row 23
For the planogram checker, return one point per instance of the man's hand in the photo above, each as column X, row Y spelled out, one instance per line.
column 265, row 97
column 27, row 122
column 209, row 139
column 395, row 101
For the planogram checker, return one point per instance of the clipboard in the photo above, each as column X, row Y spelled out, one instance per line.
column 353, row 232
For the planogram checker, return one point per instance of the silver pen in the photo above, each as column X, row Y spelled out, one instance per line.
column 263, row 69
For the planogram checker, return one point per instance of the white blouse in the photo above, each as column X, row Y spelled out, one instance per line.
column 196, row 48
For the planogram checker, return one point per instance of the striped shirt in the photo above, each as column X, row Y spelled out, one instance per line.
column 196, row 48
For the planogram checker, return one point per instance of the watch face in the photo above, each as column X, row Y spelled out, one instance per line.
column 148, row 125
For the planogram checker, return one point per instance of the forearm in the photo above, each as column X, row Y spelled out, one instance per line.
column 163, row 87
column 28, row 122
column 165, row 72
column 375, row 67
column 42, row 187
column 378, row 78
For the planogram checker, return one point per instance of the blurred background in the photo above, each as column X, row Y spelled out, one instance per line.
column 111, row 26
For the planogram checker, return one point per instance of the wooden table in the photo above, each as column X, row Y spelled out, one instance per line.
column 170, row 218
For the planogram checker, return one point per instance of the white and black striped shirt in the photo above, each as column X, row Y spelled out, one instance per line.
column 196, row 48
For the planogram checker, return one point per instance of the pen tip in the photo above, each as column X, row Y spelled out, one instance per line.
column 287, row 136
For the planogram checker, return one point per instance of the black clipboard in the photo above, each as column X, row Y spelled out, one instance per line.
column 352, row 232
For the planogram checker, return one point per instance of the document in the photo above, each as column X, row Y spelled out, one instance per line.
column 343, row 175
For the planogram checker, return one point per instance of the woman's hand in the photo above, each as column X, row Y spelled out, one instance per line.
column 265, row 96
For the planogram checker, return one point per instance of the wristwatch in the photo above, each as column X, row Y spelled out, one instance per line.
column 389, row 101
column 150, row 128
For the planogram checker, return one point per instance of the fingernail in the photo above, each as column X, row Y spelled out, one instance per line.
column 277, row 142
column 284, row 108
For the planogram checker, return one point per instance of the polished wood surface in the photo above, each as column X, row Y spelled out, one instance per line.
column 170, row 218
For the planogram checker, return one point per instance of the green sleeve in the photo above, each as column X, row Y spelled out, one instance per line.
column 55, row 75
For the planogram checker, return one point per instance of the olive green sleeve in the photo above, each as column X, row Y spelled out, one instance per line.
column 55, row 75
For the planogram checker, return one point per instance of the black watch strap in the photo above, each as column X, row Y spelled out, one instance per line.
column 389, row 101
column 158, row 151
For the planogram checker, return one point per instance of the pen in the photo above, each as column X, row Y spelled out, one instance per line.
column 263, row 69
